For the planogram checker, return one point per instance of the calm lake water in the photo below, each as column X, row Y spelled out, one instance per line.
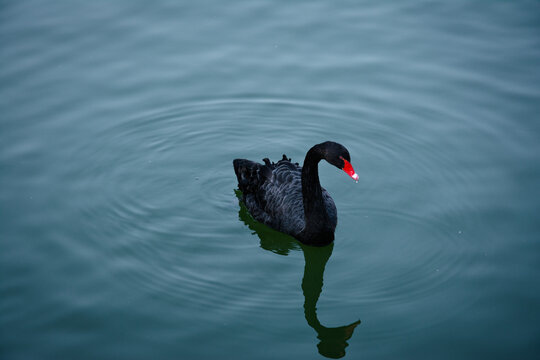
column 122, row 235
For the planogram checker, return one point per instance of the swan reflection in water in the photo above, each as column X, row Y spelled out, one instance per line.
column 333, row 341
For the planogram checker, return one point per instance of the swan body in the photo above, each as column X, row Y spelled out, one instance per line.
column 289, row 198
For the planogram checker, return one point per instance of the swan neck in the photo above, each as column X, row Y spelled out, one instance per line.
column 314, row 208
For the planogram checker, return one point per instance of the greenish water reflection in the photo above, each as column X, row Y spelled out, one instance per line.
column 333, row 340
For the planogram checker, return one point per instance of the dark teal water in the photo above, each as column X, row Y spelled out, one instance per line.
column 121, row 235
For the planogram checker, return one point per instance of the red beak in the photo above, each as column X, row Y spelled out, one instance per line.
column 349, row 170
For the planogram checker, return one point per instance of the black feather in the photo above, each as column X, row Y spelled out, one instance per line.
column 288, row 197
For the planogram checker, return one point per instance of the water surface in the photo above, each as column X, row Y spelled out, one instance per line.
column 121, row 235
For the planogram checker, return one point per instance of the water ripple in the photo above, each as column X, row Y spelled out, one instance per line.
column 166, row 213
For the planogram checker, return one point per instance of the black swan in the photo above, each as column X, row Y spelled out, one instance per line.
column 289, row 198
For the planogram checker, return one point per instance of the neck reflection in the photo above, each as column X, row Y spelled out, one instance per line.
column 332, row 341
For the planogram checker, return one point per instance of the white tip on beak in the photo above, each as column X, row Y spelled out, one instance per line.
column 355, row 176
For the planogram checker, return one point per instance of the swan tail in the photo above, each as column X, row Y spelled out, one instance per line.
column 251, row 175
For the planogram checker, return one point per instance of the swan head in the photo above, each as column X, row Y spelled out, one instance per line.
column 337, row 155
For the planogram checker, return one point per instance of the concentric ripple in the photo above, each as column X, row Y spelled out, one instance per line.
column 159, row 201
